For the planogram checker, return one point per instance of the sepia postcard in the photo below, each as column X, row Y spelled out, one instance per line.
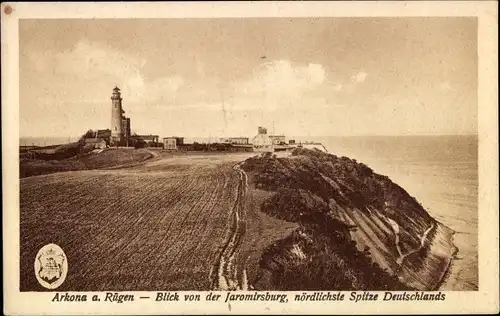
column 250, row 158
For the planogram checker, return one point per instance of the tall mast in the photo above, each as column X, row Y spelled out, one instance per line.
column 272, row 140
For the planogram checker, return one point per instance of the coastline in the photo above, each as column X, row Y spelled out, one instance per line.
column 453, row 256
column 428, row 271
column 426, row 262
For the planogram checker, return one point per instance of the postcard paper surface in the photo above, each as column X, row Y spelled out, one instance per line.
column 250, row 158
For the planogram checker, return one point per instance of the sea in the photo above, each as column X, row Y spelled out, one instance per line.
column 46, row 141
column 441, row 172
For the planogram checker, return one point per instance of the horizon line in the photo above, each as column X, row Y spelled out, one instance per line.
column 361, row 135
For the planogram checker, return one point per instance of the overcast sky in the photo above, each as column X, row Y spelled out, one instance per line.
column 225, row 77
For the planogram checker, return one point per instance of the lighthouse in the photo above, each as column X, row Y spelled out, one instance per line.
column 116, row 116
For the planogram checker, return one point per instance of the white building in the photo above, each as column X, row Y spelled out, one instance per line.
column 278, row 139
column 262, row 141
column 235, row 140
column 169, row 143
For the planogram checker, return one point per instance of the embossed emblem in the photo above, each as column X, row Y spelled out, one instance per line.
column 51, row 266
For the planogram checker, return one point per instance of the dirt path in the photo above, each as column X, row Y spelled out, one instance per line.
column 422, row 242
column 226, row 274
column 402, row 256
column 152, row 153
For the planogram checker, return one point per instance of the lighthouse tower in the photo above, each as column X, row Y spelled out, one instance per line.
column 116, row 116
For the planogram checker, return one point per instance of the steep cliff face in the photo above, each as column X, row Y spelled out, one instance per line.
column 358, row 229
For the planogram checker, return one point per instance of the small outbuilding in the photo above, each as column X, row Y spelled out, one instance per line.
column 172, row 143
column 278, row 139
column 169, row 143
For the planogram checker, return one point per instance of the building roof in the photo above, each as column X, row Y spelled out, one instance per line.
column 103, row 133
column 116, row 89
column 146, row 137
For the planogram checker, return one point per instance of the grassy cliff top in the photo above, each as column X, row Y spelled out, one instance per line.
column 353, row 221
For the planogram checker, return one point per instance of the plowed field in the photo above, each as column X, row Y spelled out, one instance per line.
column 163, row 225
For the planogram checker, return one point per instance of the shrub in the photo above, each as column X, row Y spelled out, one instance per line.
column 304, row 186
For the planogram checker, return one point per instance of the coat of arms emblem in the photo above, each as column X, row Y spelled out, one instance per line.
column 51, row 266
